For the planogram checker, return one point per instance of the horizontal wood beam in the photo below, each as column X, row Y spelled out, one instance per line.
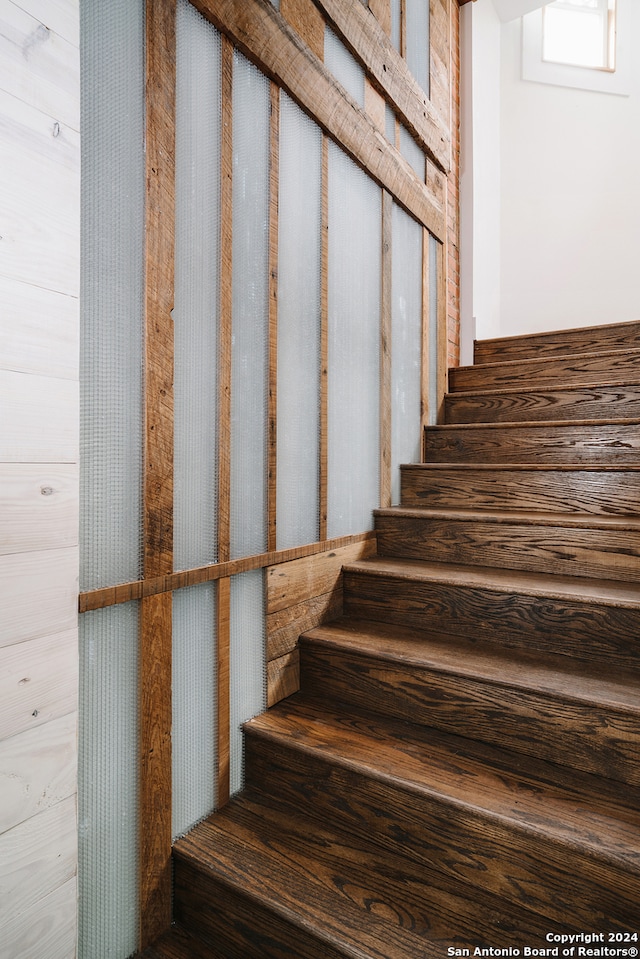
column 390, row 74
column 264, row 37
column 125, row 592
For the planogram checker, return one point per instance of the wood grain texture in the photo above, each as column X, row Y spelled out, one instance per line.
column 307, row 21
column 590, row 621
column 42, row 426
column 48, row 927
column 598, row 490
column 283, row 677
column 585, row 443
column 534, row 405
column 293, row 583
column 286, row 625
column 226, row 304
column 324, row 342
column 37, row 857
column 38, row 682
column 259, row 31
column 154, row 750
column 37, row 769
column 49, row 575
column 39, row 507
column 274, row 179
column 605, row 547
column 223, row 691
column 369, row 42
column 545, row 707
column 39, row 333
column 519, row 827
column 612, row 336
column 585, row 369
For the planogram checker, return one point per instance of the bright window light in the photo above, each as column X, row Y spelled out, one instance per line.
column 580, row 33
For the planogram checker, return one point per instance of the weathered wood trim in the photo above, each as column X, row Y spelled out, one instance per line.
column 439, row 56
column 155, row 641
column 223, row 696
column 226, row 305
column 272, row 450
column 283, row 677
column 442, row 347
column 126, row 592
column 426, row 320
column 154, row 801
column 389, row 72
column 381, row 9
column 259, row 32
column 307, row 21
column 385, row 352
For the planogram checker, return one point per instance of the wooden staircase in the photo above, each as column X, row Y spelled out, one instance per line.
column 461, row 767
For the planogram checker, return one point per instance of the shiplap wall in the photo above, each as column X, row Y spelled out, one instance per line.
column 39, row 278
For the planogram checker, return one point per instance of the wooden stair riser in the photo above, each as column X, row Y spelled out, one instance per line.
column 607, row 553
column 236, row 924
column 586, row 369
column 518, row 864
column 598, row 492
column 594, row 737
column 590, row 631
column 614, row 336
column 530, row 405
column 572, row 444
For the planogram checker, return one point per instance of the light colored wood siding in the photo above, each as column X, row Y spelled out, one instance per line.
column 39, row 286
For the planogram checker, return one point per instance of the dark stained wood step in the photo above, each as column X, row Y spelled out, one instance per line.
column 534, row 405
column 605, row 547
column 549, row 707
column 179, row 944
column 590, row 620
column 340, row 881
column 610, row 336
column 600, row 490
column 453, row 806
column 246, row 886
column 589, row 442
column 583, row 369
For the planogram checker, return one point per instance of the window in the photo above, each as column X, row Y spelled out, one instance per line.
column 583, row 44
column 580, row 33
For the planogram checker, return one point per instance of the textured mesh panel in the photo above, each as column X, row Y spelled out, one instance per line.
column 395, row 23
column 417, row 53
column 412, row 153
column 390, row 124
column 198, row 118
column 107, row 783
column 343, row 66
column 193, row 737
column 247, row 662
column 249, row 385
column 298, row 328
column 354, row 346
column 406, row 344
column 433, row 329
column 112, row 64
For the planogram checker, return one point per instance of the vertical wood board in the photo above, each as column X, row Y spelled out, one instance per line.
column 226, row 305
column 307, row 21
column 274, row 178
column 223, row 702
column 386, row 385
column 38, row 682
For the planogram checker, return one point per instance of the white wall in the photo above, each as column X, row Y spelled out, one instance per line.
column 569, row 197
column 39, row 259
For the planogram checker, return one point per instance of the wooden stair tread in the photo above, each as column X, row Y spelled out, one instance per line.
column 346, row 866
column 177, row 943
column 574, row 357
column 523, row 517
column 535, row 425
column 608, row 592
column 465, row 775
column 516, row 668
column 528, row 467
column 240, row 850
column 612, row 384
column 617, row 335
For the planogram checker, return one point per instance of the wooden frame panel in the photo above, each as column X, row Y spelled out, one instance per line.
column 154, row 862
column 258, row 30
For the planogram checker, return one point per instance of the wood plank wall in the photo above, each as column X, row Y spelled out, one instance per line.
column 303, row 585
column 39, row 281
